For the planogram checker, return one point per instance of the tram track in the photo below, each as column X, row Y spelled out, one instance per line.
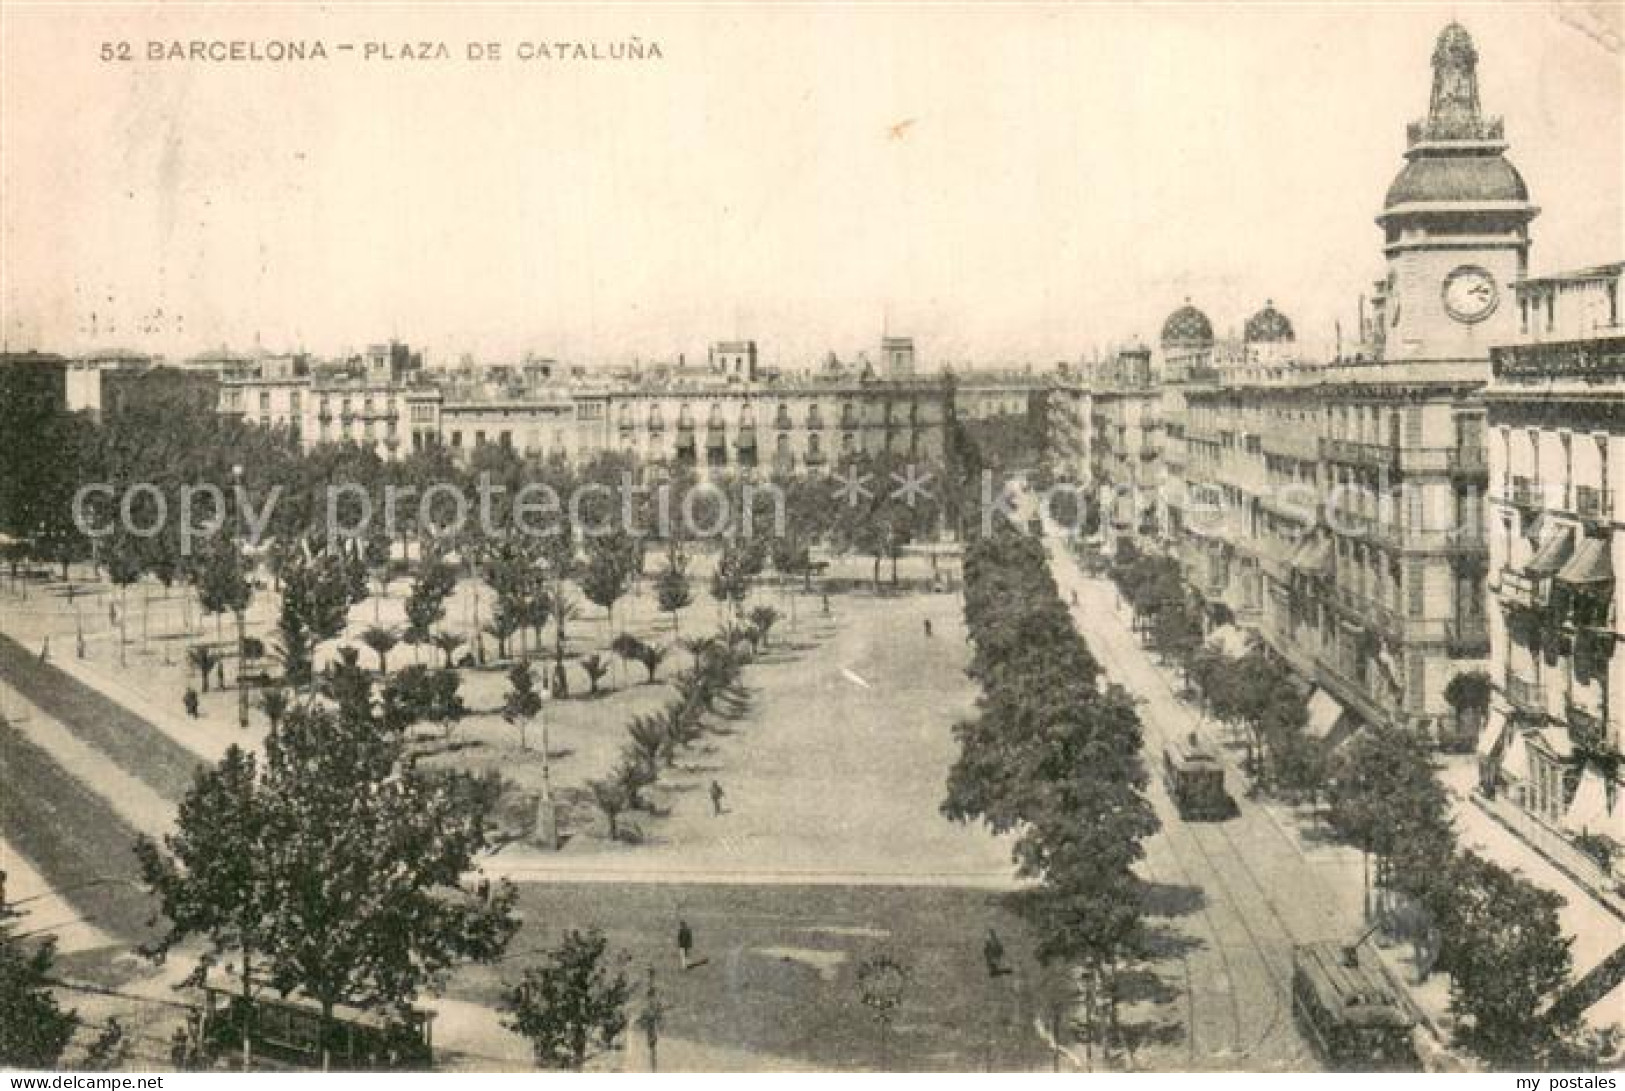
column 1263, row 969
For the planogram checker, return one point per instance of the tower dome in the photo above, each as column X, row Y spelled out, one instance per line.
column 1187, row 326
column 1455, row 154
column 1268, row 326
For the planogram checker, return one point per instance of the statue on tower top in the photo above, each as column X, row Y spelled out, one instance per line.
column 1453, row 110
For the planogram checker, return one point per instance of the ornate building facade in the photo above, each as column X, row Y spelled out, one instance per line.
column 1556, row 409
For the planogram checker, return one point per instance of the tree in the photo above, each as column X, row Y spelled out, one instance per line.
column 426, row 601
column 635, row 772
column 578, row 996
column 611, row 564
column 34, row 1029
column 382, row 641
column 447, row 642
column 274, row 703
column 762, row 620
column 522, row 703
column 368, row 853
column 564, row 610
column 203, row 660
column 610, row 798
column 650, row 739
column 211, row 875
column 1509, row 962
column 651, row 656
column 595, row 666
column 672, row 589
column 1468, row 694
column 1384, row 798
column 430, row 695
column 315, row 607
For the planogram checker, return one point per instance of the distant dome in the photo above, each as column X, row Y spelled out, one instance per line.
column 1457, row 178
column 1187, row 325
column 1268, row 325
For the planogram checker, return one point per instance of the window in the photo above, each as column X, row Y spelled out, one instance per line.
column 265, row 401
column 457, row 439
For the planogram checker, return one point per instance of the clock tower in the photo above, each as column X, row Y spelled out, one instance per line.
column 1456, row 224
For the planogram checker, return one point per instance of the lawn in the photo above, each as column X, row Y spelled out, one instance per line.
column 778, row 985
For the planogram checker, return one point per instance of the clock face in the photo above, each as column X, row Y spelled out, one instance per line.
column 1470, row 294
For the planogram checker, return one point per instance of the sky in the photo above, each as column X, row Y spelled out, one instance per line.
column 1020, row 184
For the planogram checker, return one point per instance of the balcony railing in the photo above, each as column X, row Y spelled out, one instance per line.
column 1468, row 639
column 1516, row 588
column 1374, row 455
column 1467, row 460
column 1594, row 504
column 1526, row 492
column 1591, row 359
column 1588, row 728
column 1526, row 696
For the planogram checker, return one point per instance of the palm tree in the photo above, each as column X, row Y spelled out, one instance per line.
column 762, row 618
column 204, row 660
column 274, row 703
column 447, row 642
column 596, row 667
column 651, row 656
column 382, row 641
column 611, row 799
column 650, row 738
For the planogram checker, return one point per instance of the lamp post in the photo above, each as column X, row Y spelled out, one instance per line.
column 547, row 816
column 242, row 594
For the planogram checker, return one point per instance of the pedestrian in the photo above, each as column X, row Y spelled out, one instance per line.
column 180, row 1050
column 716, row 799
column 112, row 615
column 220, row 673
column 927, row 626
column 45, row 651
column 993, row 952
column 1074, row 597
column 826, row 604
column 685, row 943
column 189, row 699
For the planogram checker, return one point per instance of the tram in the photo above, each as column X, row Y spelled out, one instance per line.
column 1194, row 777
column 288, row 1029
column 1350, row 1008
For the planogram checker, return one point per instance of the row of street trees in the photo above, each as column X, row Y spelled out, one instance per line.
column 1495, row 933
column 1055, row 758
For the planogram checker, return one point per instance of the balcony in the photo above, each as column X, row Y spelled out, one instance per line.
column 1467, row 461
column 1467, row 639
column 1594, row 505
column 1517, row 588
column 1376, row 456
column 1526, row 492
column 1590, row 360
column 1588, row 728
column 1526, row 696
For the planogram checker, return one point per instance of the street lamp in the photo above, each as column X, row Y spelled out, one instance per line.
column 547, row 816
column 242, row 596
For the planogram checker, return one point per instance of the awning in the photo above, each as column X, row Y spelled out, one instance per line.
column 1556, row 741
column 1556, row 546
column 1588, row 810
column 1313, row 557
column 1515, row 764
column 1386, row 663
column 1590, row 564
column 1324, row 712
column 1495, row 728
